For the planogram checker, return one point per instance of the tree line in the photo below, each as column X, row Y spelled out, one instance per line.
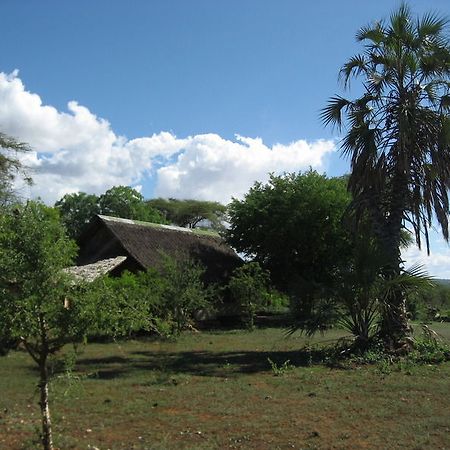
column 77, row 209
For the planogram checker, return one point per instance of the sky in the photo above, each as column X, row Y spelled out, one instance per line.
column 186, row 99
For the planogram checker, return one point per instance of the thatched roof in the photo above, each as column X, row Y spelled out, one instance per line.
column 144, row 244
column 90, row 272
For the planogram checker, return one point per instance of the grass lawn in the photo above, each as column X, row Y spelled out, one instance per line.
column 218, row 390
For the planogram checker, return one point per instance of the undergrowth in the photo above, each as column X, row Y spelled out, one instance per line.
column 425, row 349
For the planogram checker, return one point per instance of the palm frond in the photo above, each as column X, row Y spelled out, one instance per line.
column 332, row 113
column 413, row 279
column 401, row 23
column 431, row 25
column 445, row 103
column 375, row 33
column 355, row 66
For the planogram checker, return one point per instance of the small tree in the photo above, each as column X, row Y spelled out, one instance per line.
column 135, row 301
column 41, row 308
column 249, row 288
column 183, row 291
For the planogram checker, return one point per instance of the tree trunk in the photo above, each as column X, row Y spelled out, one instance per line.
column 395, row 329
column 47, row 439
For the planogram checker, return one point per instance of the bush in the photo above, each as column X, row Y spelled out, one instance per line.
column 183, row 292
column 249, row 289
column 158, row 301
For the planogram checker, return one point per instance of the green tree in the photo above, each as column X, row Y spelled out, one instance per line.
column 34, row 291
column 41, row 307
column 11, row 167
column 249, row 288
column 292, row 226
column 183, row 292
column 76, row 211
column 398, row 139
column 190, row 213
column 126, row 202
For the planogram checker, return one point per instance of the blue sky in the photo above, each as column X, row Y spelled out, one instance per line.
column 184, row 98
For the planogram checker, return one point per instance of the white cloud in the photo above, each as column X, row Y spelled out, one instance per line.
column 78, row 151
column 214, row 168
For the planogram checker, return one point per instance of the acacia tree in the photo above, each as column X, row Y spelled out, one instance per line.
column 190, row 213
column 398, row 139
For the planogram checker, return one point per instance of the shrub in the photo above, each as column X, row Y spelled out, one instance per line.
column 249, row 288
column 158, row 301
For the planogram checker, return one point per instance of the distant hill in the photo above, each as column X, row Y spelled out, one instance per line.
column 442, row 281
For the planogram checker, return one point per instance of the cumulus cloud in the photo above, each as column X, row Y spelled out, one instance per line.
column 211, row 167
column 75, row 150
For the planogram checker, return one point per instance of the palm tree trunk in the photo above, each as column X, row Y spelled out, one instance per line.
column 394, row 328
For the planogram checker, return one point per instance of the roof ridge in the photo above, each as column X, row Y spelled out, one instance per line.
column 158, row 225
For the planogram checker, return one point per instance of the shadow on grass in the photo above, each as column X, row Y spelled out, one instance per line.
column 234, row 322
column 201, row 363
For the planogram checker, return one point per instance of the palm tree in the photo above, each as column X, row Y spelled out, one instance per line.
column 398, row 139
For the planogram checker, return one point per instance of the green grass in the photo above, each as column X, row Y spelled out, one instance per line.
column 219, row 390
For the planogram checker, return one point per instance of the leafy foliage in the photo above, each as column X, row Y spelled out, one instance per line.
column 120, row 201
column 76, row 210
column 249, row 289
column 292, row 226
column 40, row 307
column 183, row 292
column 157, row 301
column 132, row 304
column 126, row 202
column 190, row 213
column 34, row 250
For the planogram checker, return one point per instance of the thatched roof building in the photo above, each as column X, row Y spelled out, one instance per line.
column 145, row 243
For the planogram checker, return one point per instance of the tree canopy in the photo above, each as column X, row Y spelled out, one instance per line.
column 398, row 136
column 76, row 210
column 120, row 201
column 126, row 202
column 292, row 227
column 190, row 213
